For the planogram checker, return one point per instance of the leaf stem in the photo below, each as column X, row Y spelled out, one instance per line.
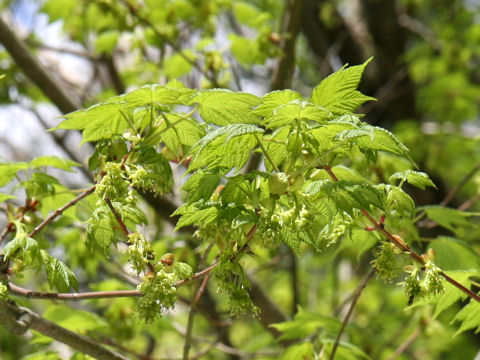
column 404, row 246
column 266, row 153
column 355, row 298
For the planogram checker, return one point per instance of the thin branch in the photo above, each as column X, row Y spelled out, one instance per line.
column 59, row 211
column 117, row 217
column 18, row 320
column 398, row 242
column 36, row 71
column 469, row 203
column 356, row 296
column 462, row 182
column 17, row 290
column 283, row 73
column 406, row 344
column 135, row 12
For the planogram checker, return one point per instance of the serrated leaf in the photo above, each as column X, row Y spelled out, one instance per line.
column 274, row 100
column 130, row 213
column 338, row 92
column 59, row 276
column 454, row 254
column 305, row 323
column 26, row 246
column 452, row 294
column 201, row 186
column 415, row 178
column 157, row 95
column 383, row 140
column 398, row 201
column 98, row 122
column 176, row 65
column 194, row 216
column 99, row 231
column 224, row 107
column 469, row 317
column 449, row 218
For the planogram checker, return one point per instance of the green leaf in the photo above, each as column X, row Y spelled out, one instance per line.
column 337, row 93
column 54, row 161
column 415, row 178
column 249, row 14
column 43, row 355
column 9, row 170
column 305, row 323
column 469, row 317
column 76, row 320
column 383, row 140
column 454, row 254
column 98, row 122
column 60, row 197
column 26, row 246
column 223, row 107
column 176, row 65
column 58, row 274
column 192, row 215
column 246, row 51
column 99, row 233
column 398, row 201
column 296, row 109
column 106, row 42
column 298, row 351
column 449, row 218
column 452, row 294
column 5, row 197
column 172, row 93
column 201, row 186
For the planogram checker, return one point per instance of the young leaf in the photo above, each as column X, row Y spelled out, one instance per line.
column 449, row 218
column 157, row 95
column 9, row 170
column 98, row 122
column 469, row 317
column 338, row 92
column 54, row 161
column 224, row 107
column 58, row 274
column 415, row 178
column 5, row 197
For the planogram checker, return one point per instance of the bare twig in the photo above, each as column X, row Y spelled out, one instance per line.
column 406, row 344
column 462, row 182
column 36, row 71
column 356, row 296
column 404, row 246
column 18, row 320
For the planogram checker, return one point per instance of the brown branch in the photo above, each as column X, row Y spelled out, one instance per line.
column 398, row 242
column 356, row 296
column 283, row 73
column 117, row 217
column 406, row 344
column 36, row 71
column 462, row 182
column 59, row 211
column 113, row 74
column 18, row 320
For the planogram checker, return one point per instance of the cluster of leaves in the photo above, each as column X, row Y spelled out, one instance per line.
column 302, row 195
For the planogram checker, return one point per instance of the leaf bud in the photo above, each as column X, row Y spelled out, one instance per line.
column 278, row 183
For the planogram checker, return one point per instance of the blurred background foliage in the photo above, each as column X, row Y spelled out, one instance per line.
column 425, row 76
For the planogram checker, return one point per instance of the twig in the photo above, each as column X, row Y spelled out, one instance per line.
column 59, row 211
column 193, row 308
column 406, row 344
column 454, row 191
column 36, row 71
column 356, row 296
column 17, row 290
column 403, row 245
column 117, row 217
column 469, row 203
column 18, row 320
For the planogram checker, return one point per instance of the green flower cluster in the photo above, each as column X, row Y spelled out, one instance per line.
column 3, row 291
column 423, row 282
column 139, row 251
column 385, row 262
column 158, row 294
